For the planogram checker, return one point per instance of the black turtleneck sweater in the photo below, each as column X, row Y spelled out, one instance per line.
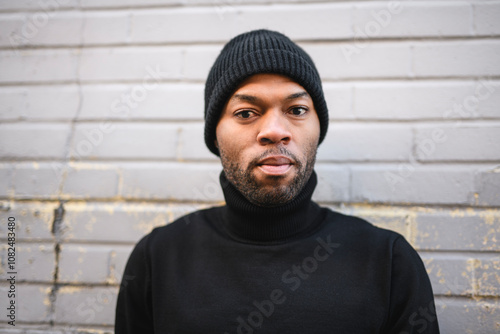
column 297, row 268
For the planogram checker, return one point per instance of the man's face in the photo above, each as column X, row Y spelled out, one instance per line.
column 267, row 137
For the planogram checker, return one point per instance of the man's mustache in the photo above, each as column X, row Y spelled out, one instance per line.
column 280, row 150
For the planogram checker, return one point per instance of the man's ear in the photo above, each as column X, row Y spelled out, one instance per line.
column 216, row 143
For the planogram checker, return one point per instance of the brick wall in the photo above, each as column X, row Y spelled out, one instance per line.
column 101, row 106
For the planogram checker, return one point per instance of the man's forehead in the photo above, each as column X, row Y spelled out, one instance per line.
column 261, row 82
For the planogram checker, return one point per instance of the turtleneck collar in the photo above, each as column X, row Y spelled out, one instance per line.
column 246, row 221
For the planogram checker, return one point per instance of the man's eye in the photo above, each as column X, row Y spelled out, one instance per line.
column 245, row 114
column 298, row 111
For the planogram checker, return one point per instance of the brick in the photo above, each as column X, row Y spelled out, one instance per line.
column 348, row 142
column 458, row 230
column 220, row 5
column 53, row 65
column 333, row 183
column 34, row 262
column 406, row 100
column 225, row 21
column 486, row 273
column 129, row 3
column 172, row 181
column 487, row 105
column 36, row 180
column 391, row 218
column 72, row 329
column 339, row 99
column 450, row 274
column 487, row 185
column 198, row 60
column 91, row 181
column 191, row 145
column 86, row 305
column 155, row 26
column 92, row 264
column 178, row 101
column 438, row 59
column 20, row 140
column 38, row 5
column 347, row 60
column 325, row 21
column 32, row 302
column 46, row 328
column 394, row 19
column 6, row 171
column 33, row 220
column 457, row 315
column 10, row 35
column 147, row 65
column 406, row 183
column 117, row 26
column 39, row 102
column 44, row 28
column 98, row 222
column 458, row 142
column 13, row 103
column 106, row 140
column 486, row 18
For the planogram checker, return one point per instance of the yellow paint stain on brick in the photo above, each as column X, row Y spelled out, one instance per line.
column 77, row 207
column 89, row 226
column 145, row 226
column 82, row 252
column 69, row 290
column 490, row 217
column 401, row 220
column 46, row 293
column 111, row 277
column 457, row 213
column 110, row 209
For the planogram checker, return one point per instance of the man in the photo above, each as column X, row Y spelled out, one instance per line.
column 271, row 260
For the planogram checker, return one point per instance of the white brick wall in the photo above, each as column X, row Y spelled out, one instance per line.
column 101, row 109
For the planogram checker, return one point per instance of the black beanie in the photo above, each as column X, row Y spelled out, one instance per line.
column 259, row 51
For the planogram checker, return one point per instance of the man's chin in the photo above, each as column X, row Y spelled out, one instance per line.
column 270, row 196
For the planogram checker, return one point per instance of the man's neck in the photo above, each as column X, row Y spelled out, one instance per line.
column 248, row 222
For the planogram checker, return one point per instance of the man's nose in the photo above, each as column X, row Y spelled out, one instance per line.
column 274, row 128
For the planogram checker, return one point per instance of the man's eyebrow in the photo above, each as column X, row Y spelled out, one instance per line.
column 253, row 99
column 244, row 97
column 297, row 95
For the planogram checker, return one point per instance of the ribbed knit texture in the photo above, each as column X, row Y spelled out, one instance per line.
column 259, row 51
column 246, row 221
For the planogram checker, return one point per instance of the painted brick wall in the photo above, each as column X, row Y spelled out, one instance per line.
column 101, row 106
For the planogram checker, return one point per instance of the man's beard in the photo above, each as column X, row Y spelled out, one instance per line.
column 244, row 180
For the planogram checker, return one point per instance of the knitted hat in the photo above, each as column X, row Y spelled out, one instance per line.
column 259, row 51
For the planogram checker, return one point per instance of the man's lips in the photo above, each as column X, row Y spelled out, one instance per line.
column 275, row 165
